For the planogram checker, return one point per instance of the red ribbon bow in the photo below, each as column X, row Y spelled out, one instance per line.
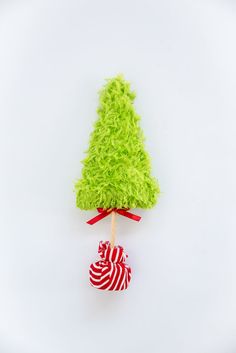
column 105, row 212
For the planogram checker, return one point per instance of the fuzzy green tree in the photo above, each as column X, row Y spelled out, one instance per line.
column 116, row 171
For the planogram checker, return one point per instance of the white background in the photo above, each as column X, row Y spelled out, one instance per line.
column 181, row 59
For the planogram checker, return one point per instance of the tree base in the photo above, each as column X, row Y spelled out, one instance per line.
column 111, row 272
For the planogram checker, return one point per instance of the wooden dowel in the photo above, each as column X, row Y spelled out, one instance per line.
column 113, row 228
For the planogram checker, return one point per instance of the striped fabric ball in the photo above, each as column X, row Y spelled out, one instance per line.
column 111, row 272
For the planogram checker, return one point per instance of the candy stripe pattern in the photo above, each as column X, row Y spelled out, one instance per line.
column 111, row 272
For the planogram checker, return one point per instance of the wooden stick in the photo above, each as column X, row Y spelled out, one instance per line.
column 113, row 228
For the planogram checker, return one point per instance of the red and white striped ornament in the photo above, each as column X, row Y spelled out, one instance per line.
column 111, row 272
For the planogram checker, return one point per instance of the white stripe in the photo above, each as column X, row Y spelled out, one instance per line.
column 118, row 277
column 101, row 285
column 105, row 253
column 94, row 279
column 96, row 266
column 114, row 276
column 95, row 273
column 104, row 268
column 110, row 256
column 125, row 276
column 117, row 255
column 106, row 274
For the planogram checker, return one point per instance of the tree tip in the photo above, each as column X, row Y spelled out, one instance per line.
column 118, row 86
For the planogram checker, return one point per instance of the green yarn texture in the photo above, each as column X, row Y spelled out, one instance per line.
column 116, row 171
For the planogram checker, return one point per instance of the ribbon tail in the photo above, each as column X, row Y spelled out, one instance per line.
column 98, row 217
column 130, row 215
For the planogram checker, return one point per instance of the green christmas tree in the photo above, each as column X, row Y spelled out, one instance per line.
column 116, row 171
